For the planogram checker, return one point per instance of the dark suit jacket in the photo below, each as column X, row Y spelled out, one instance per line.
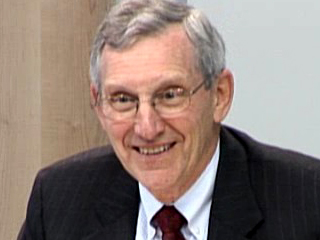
column 261, row 193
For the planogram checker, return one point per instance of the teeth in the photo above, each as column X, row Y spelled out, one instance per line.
column 154, row 150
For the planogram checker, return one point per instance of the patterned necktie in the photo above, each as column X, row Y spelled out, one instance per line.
column 170, row 221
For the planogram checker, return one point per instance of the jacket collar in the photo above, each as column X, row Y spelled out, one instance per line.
column 234, row 211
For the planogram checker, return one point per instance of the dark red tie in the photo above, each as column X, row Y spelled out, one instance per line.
column 170, row 221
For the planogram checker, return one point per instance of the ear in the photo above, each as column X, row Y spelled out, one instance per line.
column 94, row 98
column 223, row 95
column 94, row 94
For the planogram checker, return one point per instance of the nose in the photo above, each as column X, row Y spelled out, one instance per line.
column 148, row 124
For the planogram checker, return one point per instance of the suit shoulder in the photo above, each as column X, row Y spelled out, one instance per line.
column 66, row 195
column 82, row 165
column 284, row 184
column 258, row 152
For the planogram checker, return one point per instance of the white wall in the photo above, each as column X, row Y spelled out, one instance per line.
column 273, row 49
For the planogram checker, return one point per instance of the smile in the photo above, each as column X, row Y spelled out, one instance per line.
column 154, row 150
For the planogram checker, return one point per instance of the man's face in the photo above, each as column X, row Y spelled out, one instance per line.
column 166, row 155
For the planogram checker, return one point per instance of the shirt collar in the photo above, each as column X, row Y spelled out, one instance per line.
column 196, row 202
column 191, row 207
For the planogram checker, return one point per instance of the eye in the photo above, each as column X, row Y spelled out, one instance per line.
column 122, row 101
column 172, row 93
column 171, row 97
column 121, row 98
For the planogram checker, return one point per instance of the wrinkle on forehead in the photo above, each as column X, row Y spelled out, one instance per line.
column 172, row 37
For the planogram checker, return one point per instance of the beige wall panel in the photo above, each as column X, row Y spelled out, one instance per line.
column 20, row 145
column 68, row 123
column 44, row 93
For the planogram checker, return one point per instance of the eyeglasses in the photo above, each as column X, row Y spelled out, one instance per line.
column 167, row 103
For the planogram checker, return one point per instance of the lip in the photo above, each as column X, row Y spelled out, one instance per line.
column 153, row 150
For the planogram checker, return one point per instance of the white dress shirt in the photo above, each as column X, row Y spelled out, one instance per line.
column 194, row 205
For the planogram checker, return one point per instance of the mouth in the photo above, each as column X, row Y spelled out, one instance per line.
column 154, row 150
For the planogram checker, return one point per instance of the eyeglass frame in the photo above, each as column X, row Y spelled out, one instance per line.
column 189, row 94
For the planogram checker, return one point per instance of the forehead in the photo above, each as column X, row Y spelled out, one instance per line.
column 168, row 53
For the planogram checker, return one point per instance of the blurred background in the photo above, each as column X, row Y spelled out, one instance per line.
column 44, row 93
column 272, row 48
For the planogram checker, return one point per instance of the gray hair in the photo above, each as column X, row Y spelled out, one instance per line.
column 130, row 20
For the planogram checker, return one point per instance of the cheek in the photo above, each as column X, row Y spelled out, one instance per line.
column 187, row 127
column 198, row 131
column 117, row 133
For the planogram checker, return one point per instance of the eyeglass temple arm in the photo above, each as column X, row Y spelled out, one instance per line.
column 197, row 88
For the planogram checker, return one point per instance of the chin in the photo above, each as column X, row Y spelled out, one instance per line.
column 159, row 182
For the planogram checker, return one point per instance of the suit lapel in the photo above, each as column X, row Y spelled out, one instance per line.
column 117, row 209
column 234, row 211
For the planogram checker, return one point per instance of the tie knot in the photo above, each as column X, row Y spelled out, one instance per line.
column 169, row 220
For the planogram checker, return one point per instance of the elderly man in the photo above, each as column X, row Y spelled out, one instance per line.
column 160, row 89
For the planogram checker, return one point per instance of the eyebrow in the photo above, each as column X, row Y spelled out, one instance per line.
column 177, row 80
column 118, row 88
